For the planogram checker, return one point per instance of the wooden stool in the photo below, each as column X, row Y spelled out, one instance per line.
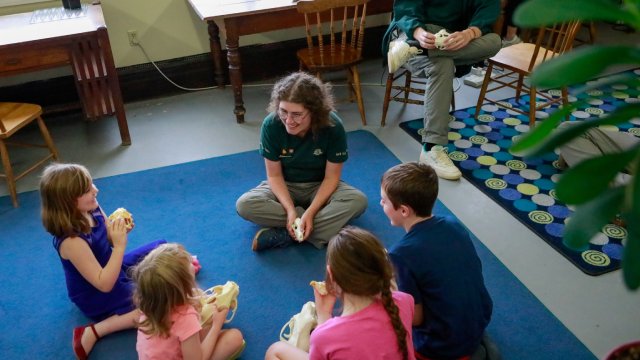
column 13, row 117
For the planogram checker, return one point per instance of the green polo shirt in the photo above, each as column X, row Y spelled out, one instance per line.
column 303, row 159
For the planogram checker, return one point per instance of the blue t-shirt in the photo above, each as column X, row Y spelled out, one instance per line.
column 437, row 264
column 303, row 159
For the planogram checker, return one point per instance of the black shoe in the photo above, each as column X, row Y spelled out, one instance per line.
column 270, row 238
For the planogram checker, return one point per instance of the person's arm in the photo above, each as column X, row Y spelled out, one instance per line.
column 409, row 15
column 407, row 284
column 79, row 253
column 484, row 16
column 193, row 349
column 418, row 315
column 275, row 178
column 329, row 184
column 324, row 306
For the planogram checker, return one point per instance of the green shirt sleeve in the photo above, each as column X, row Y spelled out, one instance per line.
column 270, row 142
column 337, row 150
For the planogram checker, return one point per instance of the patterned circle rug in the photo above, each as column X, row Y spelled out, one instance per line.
column 525, row 186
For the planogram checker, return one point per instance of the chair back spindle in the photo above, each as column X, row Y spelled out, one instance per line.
column 340, row 46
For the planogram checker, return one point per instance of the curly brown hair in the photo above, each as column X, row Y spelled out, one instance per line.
column 360, row 266
column 308, row 91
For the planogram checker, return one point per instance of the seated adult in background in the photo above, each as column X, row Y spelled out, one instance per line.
column 595, row 142
column 470, row 41
column 304, row 146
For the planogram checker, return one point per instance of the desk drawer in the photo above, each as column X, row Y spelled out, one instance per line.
column 26, row 59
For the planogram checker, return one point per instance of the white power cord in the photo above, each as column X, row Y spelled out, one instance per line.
column 139, row 44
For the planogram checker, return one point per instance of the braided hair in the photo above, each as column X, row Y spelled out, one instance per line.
column 360, row 266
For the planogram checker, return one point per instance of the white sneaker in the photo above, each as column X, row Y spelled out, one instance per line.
column 515, row 40
column 300, row 327
column 399, row 53
column 439, row 160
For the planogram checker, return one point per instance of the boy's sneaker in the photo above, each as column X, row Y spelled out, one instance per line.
column 399, row 53
column 300, row 327
column 269, row 238
column 513, row 41
column 439, row 160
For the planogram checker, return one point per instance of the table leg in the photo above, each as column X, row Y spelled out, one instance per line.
column 235, row 71
column 216, row 52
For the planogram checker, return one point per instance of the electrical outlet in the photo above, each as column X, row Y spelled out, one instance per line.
column 133, row 37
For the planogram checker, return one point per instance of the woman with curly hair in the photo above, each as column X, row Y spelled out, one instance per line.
column 304, row 146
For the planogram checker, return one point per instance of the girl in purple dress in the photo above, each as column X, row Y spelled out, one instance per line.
column 92, row 251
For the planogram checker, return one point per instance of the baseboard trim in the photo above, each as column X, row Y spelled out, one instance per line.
column 140, row 82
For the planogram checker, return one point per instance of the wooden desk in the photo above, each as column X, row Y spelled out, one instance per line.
column 245, row 17
column 82, row 43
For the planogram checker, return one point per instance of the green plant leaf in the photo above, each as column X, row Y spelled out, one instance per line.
column 629, row 79
column 533, row 13
column 541, row 144
column 590, row 217
column 581, row 65
column 589, row 178
column 631, row 256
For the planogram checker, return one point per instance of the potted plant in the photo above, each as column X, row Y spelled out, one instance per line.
column 587, row 185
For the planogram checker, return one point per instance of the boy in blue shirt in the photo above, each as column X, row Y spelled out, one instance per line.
column 435, row 262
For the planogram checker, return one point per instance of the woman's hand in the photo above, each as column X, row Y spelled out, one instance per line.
column 117, row 233
column 291, row 218
column 306, row 221
column 426, row 39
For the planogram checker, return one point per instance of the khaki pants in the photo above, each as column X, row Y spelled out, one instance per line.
column 438, row 67
column 596, row 142
column 260, row 205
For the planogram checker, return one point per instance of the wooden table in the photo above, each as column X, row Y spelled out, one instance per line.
column 82, row 43
column 246, row 17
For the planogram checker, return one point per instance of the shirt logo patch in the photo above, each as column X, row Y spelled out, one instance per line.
column 317, row 152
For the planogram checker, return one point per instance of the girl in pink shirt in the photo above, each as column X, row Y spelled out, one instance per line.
column 375, row 322
column 169, row 327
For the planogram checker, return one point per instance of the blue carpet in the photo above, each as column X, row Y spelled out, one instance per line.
column 194, row 203
column 525, row 186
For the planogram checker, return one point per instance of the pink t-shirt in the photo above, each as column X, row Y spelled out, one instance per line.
column 367, row 334
column 185, row 322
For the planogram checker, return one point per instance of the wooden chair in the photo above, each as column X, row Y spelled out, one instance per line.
column 13, row 117
column 341, row 48
column 519, row 60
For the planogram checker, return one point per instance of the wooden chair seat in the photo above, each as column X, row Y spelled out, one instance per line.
column 519, row 56
column 518, row 61
column 14, row 117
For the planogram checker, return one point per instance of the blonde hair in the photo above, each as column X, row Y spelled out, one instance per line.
column 360, row 266
column 60, row 187
column 163, row 281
